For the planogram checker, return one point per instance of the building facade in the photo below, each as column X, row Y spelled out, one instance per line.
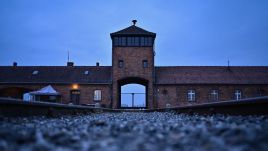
column 133, row 62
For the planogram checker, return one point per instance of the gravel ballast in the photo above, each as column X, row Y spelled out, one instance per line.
column 135, row 131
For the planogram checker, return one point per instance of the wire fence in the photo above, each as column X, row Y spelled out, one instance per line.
column 133, row 100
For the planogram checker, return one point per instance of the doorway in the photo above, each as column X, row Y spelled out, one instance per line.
column 133, row 96
column 75, row 97
column 132, row 93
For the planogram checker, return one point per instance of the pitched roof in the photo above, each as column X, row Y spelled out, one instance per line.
column 164, row 75
column 55, row 74
column 48, row 90
column 133, row 30
column 212, row 75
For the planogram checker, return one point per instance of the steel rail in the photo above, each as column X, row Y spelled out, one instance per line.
column 249, row 106
column 15, row 107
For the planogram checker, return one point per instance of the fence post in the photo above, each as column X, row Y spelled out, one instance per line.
column 132, row 99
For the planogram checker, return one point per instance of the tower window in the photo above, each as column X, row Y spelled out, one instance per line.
column 145, row 41
column 149, row 41
column 120, row 63
column 97, row 95
column 191, row 95
column 130, row 41
column 137, row 42
column 115, row 41
column 119, row 41
column 145, row 64
column 124, row 41
column 238, row 94
column 133, row 41
column 142, row 41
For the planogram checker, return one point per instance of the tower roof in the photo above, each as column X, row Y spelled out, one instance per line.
column 133, row 30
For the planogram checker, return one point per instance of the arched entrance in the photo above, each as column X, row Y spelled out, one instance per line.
column 13, row 92
column 132, row 93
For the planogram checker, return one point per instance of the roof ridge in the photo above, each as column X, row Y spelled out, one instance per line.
column 55, row 66
column 133, row 29
column 205, row 66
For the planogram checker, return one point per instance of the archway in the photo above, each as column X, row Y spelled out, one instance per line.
column 133, row 93
column 13, row 92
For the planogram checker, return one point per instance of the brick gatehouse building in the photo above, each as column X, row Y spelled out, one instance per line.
column 133, row 62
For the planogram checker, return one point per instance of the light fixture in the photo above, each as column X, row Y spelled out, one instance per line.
column 75, row 86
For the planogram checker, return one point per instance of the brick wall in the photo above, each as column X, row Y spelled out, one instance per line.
column 133, row 67
column 86, row 92
column 176, row 95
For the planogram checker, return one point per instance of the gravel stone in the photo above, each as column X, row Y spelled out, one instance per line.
column 132, row 131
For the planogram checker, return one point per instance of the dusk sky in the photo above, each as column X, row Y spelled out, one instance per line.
column 190, row 32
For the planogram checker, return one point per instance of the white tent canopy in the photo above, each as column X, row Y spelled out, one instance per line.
column 47, row 94
column 48, row 90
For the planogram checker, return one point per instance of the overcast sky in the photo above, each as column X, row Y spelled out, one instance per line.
column 190, row 32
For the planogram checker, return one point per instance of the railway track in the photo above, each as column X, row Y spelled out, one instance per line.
column 14, row 107
column 153, row 130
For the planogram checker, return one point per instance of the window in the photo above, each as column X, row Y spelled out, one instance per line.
column 137, row 41
column 124, row 41
column 120, row 63
column 97, row 95
column 191, row 95
column 260, row 92
column 142, row 41
column 145, row 41
column 119, row 41
column 149, row 41
column 238, row 94
column 86, row 72
column 214, row 95
column 133, row 41
column 115, row 41
column 145, row 64
column 130, row 41
column 35, row 72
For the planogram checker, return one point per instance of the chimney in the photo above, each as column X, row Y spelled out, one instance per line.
column 70, row 64
column 228, row 67
column 97, row 64
column 134, row 22
column 15, row 64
